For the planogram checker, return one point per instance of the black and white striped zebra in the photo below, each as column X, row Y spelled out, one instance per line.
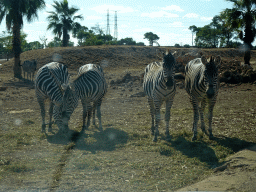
column 159, row 86
column 90, row 86
column 29, row 67
column 52, row 82
column 202, row 85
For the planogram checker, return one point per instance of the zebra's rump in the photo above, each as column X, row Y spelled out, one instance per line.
column 48, row 80
column 90, row 83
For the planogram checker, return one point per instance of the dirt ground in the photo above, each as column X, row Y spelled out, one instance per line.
column 238, row 173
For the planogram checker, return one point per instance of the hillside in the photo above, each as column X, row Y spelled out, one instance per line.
column 124, row 57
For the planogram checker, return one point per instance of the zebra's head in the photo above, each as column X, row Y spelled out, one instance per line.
column 211, row 74
column 168, row 69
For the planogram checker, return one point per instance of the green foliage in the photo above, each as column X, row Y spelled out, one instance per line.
column 6, row 45
column 127, row 41
column 186, row 46
column 151, row 37
column 242, row 19
column 140, row 44
column 62, row 21
column 56, row 42
column 177, row 45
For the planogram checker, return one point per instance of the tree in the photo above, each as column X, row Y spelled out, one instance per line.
column 127, row 41
column 206, row 37
column 225, row 31
column 14, row 12
column 56, row 42
column 151, row 37
column 62, row 20
column 193, row 29
column 242, row 18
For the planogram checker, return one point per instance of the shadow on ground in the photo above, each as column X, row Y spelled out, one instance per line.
column 203, row 150
column 106, row 140
column 20, row 83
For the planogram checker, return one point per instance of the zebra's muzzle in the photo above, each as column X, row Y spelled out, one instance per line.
column 169, row 83
column 210, row 92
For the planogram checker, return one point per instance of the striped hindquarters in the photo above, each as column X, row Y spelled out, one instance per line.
column 49, row 79
column 90, row 83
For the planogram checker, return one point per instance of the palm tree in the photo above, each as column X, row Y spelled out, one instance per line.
column 14, row 12
column 62, row 20
column 242, row 17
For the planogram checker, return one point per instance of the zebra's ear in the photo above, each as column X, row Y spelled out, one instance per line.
column 217, row 61
column 167, row 52
column 175, row 53
column 204, row 60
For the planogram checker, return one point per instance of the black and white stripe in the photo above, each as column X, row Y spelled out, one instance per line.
column 159, row 86
column 202, row 85
column 90, row 86
column 52, row 82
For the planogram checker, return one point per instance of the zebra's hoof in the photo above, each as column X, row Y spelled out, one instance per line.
column 50, row 129
column 211, row 137
column 203, row 129
column 194, row 138
column 168, row 138
column 43, row 128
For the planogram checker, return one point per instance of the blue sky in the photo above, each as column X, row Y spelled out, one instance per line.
column 170, row 20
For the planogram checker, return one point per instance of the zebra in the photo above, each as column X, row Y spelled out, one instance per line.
column 90, row 86
column 202, row 85
column 29, row 67
column 159, row 85
column 52, row 82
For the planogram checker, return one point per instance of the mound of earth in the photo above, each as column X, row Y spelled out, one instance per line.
column 231, row 71
column 237, row 174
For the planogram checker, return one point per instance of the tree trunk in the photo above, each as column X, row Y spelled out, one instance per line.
column 16, row 50
column 65, row 38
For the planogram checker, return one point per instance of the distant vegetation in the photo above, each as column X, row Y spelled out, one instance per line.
column 228, row 29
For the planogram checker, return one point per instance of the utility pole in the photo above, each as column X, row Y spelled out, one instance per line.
column 115, row 30
column 108, row 29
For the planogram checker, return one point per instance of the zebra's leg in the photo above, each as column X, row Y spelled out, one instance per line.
column 211, row 106
column 201, row 111
column 157, row 118
column 196, row 117
column 152, row 113
column 89, row 115
column 167, row 118
column 93, row 115
column 98, row 114
column 42, row 107
column 85, row 113
column 50, row 117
